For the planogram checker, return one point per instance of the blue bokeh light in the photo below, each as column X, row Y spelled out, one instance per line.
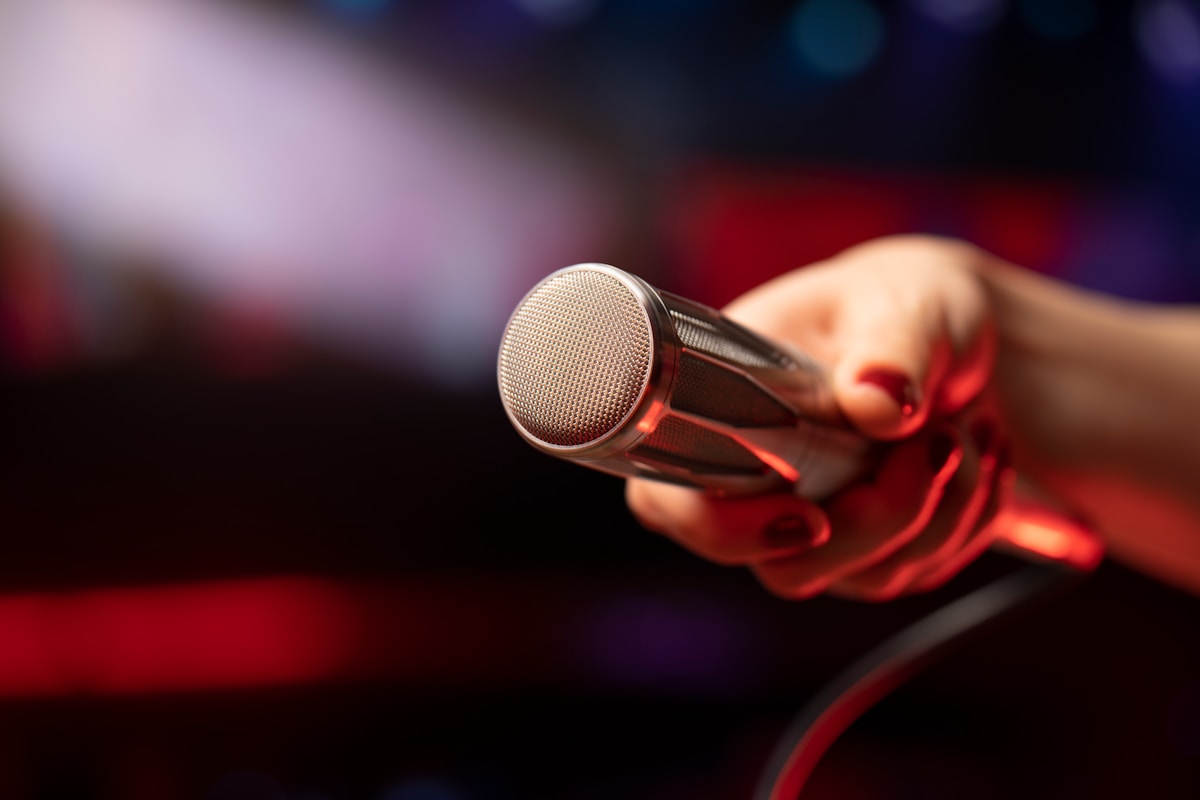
column 838, row 38
column 357, row 10
column 558, row 13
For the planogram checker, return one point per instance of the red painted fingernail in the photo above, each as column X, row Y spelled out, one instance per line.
column 897, row 386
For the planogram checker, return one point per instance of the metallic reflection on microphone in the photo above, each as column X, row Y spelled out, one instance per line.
column 598, row 367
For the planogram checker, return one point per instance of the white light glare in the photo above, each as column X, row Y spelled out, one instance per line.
column 255, row 159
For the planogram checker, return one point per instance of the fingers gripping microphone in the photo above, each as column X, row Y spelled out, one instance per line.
column 600, row 368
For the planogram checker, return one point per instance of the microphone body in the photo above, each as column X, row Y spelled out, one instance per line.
column 598, row 367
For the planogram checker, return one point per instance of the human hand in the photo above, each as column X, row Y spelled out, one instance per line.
column 903, row 326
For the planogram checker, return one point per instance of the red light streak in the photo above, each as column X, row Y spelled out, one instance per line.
column 275, row 631
column 775, row 462
column 650, row 419
column 214, row 635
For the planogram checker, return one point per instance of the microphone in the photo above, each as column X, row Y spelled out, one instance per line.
column 599, row 368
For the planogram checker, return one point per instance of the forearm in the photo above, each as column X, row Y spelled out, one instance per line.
column 1101, row 396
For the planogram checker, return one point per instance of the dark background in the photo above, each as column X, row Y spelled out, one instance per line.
column 515, row 633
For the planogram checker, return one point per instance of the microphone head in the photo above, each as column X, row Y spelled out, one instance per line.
column 584, row 354
column 598, row 367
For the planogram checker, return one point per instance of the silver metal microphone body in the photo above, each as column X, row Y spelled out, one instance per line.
column 598, row 367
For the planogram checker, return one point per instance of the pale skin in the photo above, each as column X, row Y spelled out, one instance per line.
column 990, row 384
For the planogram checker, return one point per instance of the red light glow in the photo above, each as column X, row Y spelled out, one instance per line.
column 732, row 227
column 1047, row 535
column 650, row 419
column 775, row 462
column 215, row 635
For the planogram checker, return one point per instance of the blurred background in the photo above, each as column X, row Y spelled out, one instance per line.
column 266, row 530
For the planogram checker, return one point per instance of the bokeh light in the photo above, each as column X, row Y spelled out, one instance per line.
column 969, row 16
column 253, row 158
column 357, row 10
column 268, row 533
column 559, row 12
column 837, row 38
column 1168, row 33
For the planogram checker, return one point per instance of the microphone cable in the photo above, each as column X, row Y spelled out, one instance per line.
column 884, row 668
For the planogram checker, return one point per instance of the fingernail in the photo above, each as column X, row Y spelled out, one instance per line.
column 897, row 386
column 942, row 447
column 794, row 532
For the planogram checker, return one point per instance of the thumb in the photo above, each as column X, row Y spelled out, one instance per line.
column 891, row 360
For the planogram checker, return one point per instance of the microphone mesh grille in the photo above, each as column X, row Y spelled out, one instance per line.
column 575, row 358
